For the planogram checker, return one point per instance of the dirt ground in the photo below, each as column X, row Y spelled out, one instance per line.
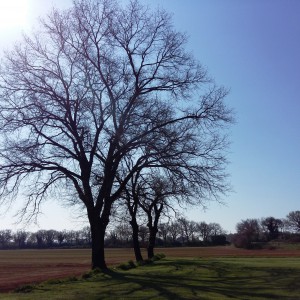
column 21, row 267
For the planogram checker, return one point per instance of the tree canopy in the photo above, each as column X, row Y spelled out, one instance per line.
column 102, row 91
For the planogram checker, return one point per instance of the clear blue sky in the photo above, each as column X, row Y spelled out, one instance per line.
column 253, row 48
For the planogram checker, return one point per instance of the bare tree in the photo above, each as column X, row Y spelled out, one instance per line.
column 205, row 231
column 50, row 237
column 293, row 220
column 70, row 237
column 86, row 235
column 123, row 232
column 143, row 235
column 188, row 230
column 248, row 232
column 163, row 231
column 98, row 83
column 5, row 238
column 31, row 240
column 20, row 238
column 174, row 230
column 153, row 196
column 216, row 229
column 40, row 238
column 131, row 197
column 155, row 191
column 271, row 225
column 61, row 237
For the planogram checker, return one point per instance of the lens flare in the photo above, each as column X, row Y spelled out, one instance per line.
column 13, row 13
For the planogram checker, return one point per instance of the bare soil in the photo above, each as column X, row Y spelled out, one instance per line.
column 21, row 267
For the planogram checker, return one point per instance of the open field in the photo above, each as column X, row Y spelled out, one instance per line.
column 275, row 273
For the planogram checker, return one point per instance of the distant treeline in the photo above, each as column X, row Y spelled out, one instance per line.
column 22, row 239
column 177, row 233
column 254, row 233
column 250, row 233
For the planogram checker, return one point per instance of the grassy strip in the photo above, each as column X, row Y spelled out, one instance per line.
column 201, row 278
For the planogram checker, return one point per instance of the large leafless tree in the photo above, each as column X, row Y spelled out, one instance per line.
column 96, row 84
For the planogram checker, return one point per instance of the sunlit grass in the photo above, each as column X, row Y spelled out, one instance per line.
column 201, row 278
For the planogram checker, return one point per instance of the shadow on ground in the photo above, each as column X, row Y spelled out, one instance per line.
column 201, row 280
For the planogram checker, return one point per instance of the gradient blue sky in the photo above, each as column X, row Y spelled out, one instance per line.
column 253, row 48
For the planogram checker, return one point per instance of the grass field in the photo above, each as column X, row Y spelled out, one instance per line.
column 186, row 273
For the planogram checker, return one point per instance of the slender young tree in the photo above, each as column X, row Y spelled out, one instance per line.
column 153, row 193
column 132, row 204
column 95, row 84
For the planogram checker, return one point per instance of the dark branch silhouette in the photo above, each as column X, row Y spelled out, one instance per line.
column 96, row 84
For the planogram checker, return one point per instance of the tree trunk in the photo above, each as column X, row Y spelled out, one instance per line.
column 98, row 228
column 135, row 239
column 152, row 236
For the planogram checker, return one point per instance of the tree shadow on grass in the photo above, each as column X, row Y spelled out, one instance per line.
column 157, row 286
column 198, row 280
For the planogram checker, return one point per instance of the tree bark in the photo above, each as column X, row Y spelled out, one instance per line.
column 135, row 239
column 152, row 236
column 98, row 228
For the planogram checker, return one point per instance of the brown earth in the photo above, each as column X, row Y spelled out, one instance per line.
column 21, row 267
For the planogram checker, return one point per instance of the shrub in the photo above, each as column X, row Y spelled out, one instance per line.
column 131, row 264
column 71, row 279
column 96, row 271
column 25, row 288
column 145, row 262
column 160, row 255
column 127, row 266
column 155, row 258
column 87, row 275
column 241, row 241
column 91, row 273
column 53, row 281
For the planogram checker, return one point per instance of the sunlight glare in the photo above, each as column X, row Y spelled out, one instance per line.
column 13, row 13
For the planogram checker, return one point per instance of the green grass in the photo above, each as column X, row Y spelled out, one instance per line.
column 201, row 278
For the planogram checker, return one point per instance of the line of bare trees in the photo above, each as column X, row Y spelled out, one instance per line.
column 252, row 233
column 182, row 232
column 40, row 239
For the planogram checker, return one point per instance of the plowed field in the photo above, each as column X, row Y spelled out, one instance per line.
column 19, row 267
